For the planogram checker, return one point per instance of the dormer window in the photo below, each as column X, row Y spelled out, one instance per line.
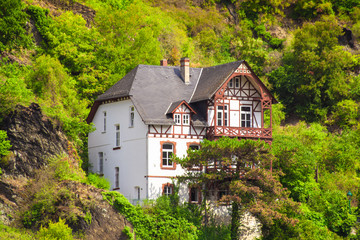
column 177, row 119
column 186, row 119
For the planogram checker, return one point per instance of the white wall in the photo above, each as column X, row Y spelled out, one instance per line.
column 130, row 158
column 157, row 176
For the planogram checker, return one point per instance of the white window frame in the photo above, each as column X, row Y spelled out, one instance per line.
column 186, row 119
column 222, row 117
column 131, row 116
column 101, row 163
column 177, row 118
column 167, row 155
column 231, row 83
column 117, row 177
column 247, row 116
column 117, row 135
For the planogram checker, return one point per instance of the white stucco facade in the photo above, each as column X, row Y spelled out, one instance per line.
column 132, row 162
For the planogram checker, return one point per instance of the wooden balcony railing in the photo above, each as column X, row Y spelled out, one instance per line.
column 262, row 133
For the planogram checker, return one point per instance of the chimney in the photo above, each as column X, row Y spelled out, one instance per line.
column 163, row 62
column 185, row 69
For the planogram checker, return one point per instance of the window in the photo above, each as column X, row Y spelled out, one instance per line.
column 231, row 83
column 194, row 147
column 177, row 118
column 101, row 163
column 132, row 115
column 237, row 83
column 186, row 118
column 116, row 177
column 137, row 192
column 167, row 153
column 117, row 135
column 167, row 189
column 245, row 116
column 194, row 195
column 222, row 115
column 104, row 127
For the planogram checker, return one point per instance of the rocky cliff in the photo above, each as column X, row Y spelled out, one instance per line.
column 35, row 139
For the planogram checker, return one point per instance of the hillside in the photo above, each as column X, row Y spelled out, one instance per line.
column 58, row 55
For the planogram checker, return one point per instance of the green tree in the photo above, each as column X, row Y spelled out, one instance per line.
column 13, row 34
column 314, row 77
column 240, row 166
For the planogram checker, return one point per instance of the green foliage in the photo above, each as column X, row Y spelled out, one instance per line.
column 13, row 34
column 313, row 78
column 58, row 231
column 274, row 42
column 157, row 224
column 47, row 193
column 98, row 181
column 4, row 144
column 13, row 89
column 234, row 159
column 10, row 233
column 345, row 113
column 128, row 233
column 55, row 91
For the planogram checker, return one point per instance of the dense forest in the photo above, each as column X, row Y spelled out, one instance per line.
column 61, row 54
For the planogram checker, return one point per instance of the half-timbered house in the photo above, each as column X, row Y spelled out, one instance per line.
column 155, row 112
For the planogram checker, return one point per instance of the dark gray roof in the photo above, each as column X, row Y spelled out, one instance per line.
column 212, row 78
column 156, row 90
column 153, row 89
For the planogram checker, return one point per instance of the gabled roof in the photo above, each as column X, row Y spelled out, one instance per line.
column 176, row 105
column 155, row 90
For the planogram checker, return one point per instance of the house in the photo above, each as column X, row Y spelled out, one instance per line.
column 155, row 112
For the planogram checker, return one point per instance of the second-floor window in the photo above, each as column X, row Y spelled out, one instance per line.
column 186, row 119
column 117, row 135
column 167, row 153
column 222, row 115
column 104, row 126
column 245, row 116
column 132, row 116
column 177, row 119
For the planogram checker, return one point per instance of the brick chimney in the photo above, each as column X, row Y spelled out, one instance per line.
column 163, row 62
column 185, row 69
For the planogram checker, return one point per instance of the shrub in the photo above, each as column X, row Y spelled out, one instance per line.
column 158, row 224
column 98, row 181
column 56, row 231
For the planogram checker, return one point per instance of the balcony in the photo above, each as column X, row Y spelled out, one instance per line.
column 218, row 131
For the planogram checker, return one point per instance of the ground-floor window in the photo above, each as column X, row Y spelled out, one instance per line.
column 167, row 189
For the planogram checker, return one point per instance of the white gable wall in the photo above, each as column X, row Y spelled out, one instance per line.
column 130, row 158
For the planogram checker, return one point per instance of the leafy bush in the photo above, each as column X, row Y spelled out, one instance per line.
column 158, row 225
column 10, row 233
column 13, row 34
column 4, row 144
column 56, row 231
column 98, row 181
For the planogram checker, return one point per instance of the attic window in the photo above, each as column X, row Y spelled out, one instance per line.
column 177, row 119
column 186, row 119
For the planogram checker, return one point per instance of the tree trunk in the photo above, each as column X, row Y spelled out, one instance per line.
column 235, row 221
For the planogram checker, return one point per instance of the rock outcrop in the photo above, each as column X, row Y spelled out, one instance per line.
column 34, row 139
